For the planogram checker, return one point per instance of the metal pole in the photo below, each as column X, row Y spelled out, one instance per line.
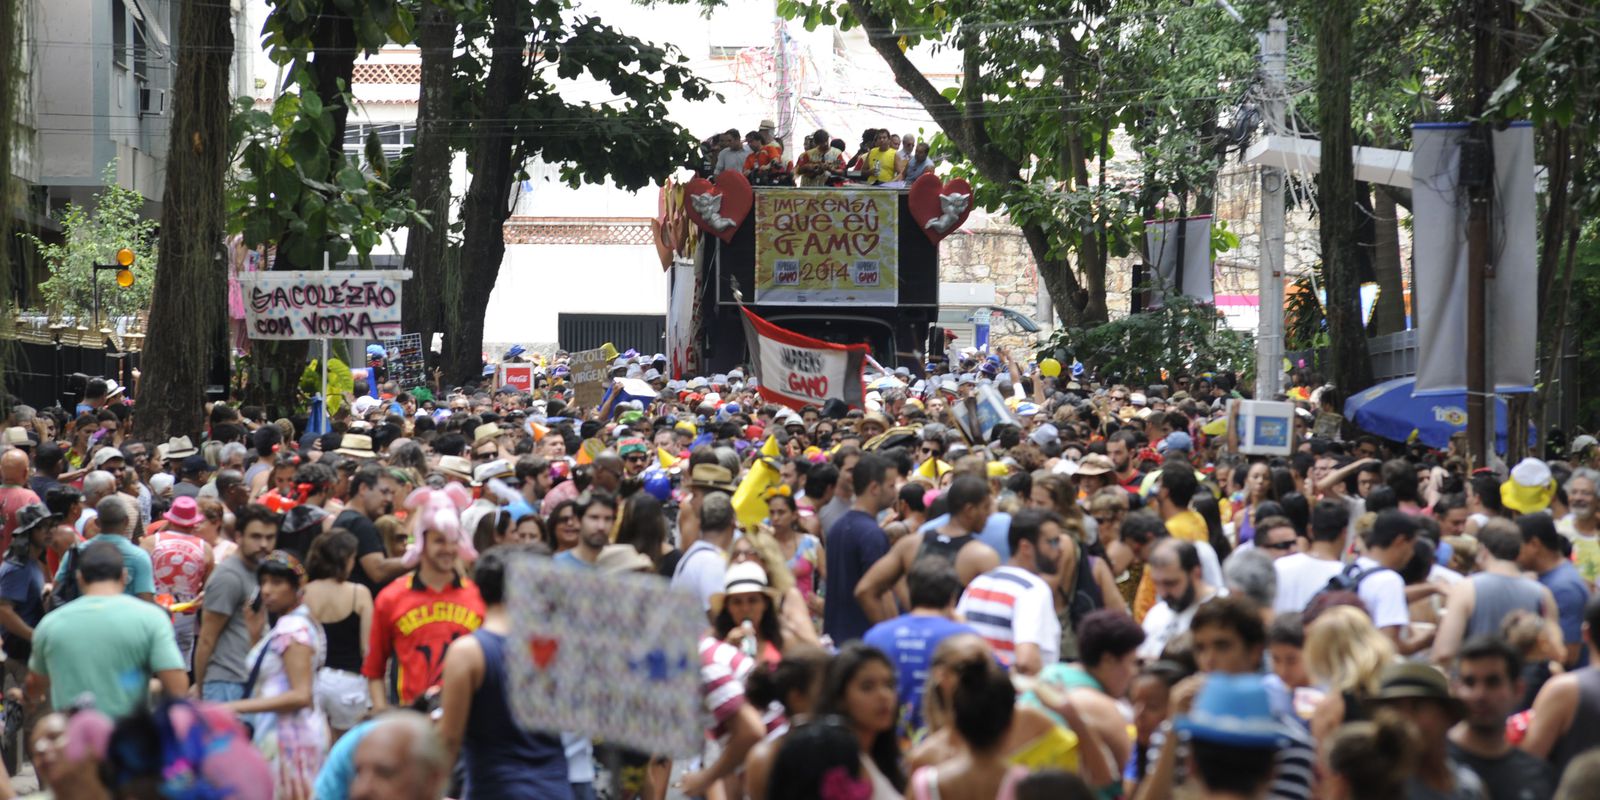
column 1477, row 171
column 1269, row 266
column 327, row 418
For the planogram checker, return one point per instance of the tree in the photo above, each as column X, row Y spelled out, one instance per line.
column 1040, row 97
column 1349, row 363
column 508, row 83
column 1137, row 349
column 12, row 70
column 92, row 237
column 428, row 238
column 186, row 320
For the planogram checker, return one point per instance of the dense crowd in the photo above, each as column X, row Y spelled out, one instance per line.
column 882, row 158
column 1086, row 594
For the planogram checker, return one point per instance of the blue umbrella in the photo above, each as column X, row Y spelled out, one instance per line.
column 1391, row 411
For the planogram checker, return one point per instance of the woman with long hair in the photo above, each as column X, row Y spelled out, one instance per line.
column 860, row 688
column 289, row 728
column 745, row 613
column 801, row 550
column 1345, row 653
column 561, row 527
column 1109, row 507
column 1210, row 510
column 822, row 760
column 344, row 608
column 792, row 683
column 1258, row 488
column 1370, row 760
column 794, row 616
column 643, row 525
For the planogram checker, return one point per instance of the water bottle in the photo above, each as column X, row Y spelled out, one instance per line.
column 749, row 644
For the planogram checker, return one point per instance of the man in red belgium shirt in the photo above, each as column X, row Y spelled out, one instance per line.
column 416, row 617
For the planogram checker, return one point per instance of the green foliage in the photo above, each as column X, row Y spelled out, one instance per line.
column 1305, row 327
column 340, row 382
column 292, row 193
column 93, row 237
column 1181, row 334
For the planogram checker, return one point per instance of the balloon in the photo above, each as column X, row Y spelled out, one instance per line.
column 1050, row 368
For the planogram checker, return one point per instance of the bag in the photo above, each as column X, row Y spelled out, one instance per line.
column 1080, row 599
column 1349, row 579
column 68, row 589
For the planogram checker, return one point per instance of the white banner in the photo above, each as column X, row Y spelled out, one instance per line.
column 798, row 370
column 615, row 657
column 1439, row 204
column 341, row 304
column 682, row 360
column 1161, row 240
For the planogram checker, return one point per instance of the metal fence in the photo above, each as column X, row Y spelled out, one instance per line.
column 643, row 332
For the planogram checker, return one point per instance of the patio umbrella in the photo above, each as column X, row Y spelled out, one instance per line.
column 1391, row 411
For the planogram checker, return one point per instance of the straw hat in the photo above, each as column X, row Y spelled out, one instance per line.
column 456, row 467
column 356, row 445
column 745, row 577
column 711, row 476
column 179, row 447
column 616, row 558
column 485, row 432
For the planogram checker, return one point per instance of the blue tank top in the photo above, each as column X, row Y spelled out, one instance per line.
column 502, row 759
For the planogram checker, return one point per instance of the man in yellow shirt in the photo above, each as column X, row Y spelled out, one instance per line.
column 882, row 160
column 1177, row 488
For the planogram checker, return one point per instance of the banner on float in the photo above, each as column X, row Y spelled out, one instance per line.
column 682, row 321
column 798, row 371
column 340, row 304
column 588, row 375
column 1440, row 207
column 613, row 657
column 827, row 247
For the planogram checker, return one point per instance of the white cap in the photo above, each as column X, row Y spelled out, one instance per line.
column 1137, row 398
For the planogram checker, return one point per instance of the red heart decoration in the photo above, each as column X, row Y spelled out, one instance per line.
column 737, row 198
column 543, row 650
column 927, row 203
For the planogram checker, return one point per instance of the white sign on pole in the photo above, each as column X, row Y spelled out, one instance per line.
column 350, row 304
column 614, row 657
column 1266, row 428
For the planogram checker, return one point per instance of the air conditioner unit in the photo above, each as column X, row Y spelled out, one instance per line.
column 152, row 102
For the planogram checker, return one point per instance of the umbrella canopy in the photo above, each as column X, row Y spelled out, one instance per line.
column 1391, row 411
column 886, row 382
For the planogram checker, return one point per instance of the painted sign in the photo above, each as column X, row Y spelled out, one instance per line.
column 827, row 247
column 517, row 376
column 589, row 376
column 346, row 304
column 615, row 657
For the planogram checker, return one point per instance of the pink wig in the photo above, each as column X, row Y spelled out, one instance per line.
column 440, row 510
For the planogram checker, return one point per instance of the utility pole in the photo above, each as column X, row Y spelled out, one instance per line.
column 1477, row 176
column 1269, row 270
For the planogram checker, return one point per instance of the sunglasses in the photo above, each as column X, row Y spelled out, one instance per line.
column 1278, row 545
column 931, row 451
column 635, row 459
column 487, row 455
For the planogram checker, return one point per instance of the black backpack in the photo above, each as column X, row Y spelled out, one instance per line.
column 68, row 589
column 1349, row 579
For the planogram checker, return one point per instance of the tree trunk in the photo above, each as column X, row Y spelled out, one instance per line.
column 1350, row 367
column 486, row 207
column 1390, row 315
column 11, row 92
column 421, row 310
column 186, row 309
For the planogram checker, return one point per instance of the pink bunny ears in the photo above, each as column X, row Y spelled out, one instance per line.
column 440, row 510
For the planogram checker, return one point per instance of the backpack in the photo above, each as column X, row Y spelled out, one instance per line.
column 1080, row 600
column 1349, row 579
column 68, row 589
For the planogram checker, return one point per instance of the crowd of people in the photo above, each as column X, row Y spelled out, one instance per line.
column 1093, row 596
column 881, row 159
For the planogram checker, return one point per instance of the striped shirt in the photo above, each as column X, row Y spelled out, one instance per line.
column 723, row 670
column 1009, row 606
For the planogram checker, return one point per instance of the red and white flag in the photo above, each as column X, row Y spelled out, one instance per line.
column 798, row 370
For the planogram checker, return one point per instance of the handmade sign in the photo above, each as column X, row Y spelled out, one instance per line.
column 798, row 371
column 588, row 375
column 403, row 360
column 1327, row 425
column 1265, row 427
column 349, row 304
column 939, row 207
column 614, row 657
column 827, row 247
column 721, row 208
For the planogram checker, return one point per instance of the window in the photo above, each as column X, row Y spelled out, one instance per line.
column 119, row 34
column 395, row 137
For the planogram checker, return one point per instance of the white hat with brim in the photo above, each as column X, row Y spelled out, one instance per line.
column 745, row 577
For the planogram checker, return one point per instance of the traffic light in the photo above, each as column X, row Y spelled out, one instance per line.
column 125, row 262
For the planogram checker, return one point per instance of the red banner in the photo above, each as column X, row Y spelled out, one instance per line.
column 798, row 370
